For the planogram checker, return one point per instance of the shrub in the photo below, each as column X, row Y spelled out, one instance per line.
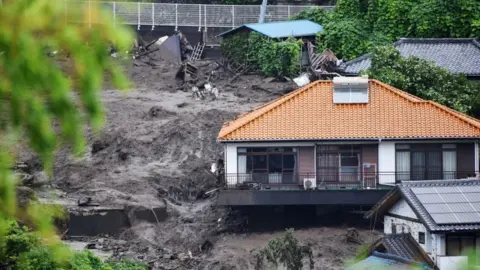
column 17, row 241
column 284, row 251
column 272, row 57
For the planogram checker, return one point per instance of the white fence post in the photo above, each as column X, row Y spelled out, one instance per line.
column 199, row 18
column 205, row 17
column 176, row 17
column 138, row 10
column 153, row 16
column 233, row 16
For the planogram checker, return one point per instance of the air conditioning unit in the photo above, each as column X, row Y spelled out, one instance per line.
column 309, row 183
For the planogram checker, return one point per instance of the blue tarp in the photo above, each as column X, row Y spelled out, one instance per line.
column 298, row 28
column 382, row 261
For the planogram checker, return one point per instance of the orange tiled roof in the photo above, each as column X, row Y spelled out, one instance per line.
column 310, row 114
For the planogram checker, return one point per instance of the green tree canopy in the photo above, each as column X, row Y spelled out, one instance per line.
column 424, row 79
column 355, row 27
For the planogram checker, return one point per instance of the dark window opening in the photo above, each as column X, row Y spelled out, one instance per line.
column 460, row 245
column 421, row 237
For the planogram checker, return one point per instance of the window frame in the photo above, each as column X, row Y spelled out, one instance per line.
column 458, row 237
column 421, row 238
column 293, row 152
column 426, row 150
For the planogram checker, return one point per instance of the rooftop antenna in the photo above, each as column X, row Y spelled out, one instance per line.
column 263, row 7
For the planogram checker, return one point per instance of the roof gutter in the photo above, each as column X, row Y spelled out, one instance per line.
column 353, row 139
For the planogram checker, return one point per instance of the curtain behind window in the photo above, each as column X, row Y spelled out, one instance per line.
column 449, row 164
column 403, row 166
column 242, row 166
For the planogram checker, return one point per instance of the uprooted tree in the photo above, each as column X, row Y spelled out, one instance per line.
column 285, row 251
column 39, row 108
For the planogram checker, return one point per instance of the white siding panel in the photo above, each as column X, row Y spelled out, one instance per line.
column 386, row 162
column 402, row 208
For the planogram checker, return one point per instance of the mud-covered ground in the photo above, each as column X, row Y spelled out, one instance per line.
column 157, row 147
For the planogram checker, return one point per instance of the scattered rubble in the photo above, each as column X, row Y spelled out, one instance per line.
column 157, row 148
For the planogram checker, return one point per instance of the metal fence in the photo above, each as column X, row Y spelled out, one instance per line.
column 193, row 15
column 360, row 180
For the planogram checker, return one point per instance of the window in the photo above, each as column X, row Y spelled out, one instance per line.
column 338, row 163
column 349, row 167
column 350, row 90
column 421, row 237
column 458, row 245
column 267, row 165
column 425, row 161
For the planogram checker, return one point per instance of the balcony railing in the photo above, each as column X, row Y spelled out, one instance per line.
column 339, row 180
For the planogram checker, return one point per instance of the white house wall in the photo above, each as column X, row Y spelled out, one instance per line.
column 409, row 226
column 386, row 162
column 402, row 208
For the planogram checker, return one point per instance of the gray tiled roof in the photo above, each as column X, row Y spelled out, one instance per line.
column 445, row 204
column 403, row 245
column 458, row 55
column 441, row 205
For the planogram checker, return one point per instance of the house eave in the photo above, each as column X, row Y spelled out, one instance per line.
column 348, row 139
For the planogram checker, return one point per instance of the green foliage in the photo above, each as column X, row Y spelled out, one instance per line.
column 284, row 251
column 24, row 250
column 439, row 18
column 272, row 57
column 16, row 241
column 127, row 265
column 354, row 27
column 37, row 104
column 315, row 14
column 350, row 38
column 389, row 18
column 85, row 260
column 424, row 79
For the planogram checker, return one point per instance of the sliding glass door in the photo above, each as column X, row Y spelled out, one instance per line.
column 274, row 165
column 425, row 161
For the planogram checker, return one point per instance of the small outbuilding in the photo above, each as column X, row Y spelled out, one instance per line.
column 284, row 29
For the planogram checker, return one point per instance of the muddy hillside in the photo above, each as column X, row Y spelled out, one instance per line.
column 157, row 148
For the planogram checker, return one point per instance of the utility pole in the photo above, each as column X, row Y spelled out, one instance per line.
column 263, row 7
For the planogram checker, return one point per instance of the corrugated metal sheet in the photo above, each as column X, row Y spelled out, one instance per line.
column 298, row 28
